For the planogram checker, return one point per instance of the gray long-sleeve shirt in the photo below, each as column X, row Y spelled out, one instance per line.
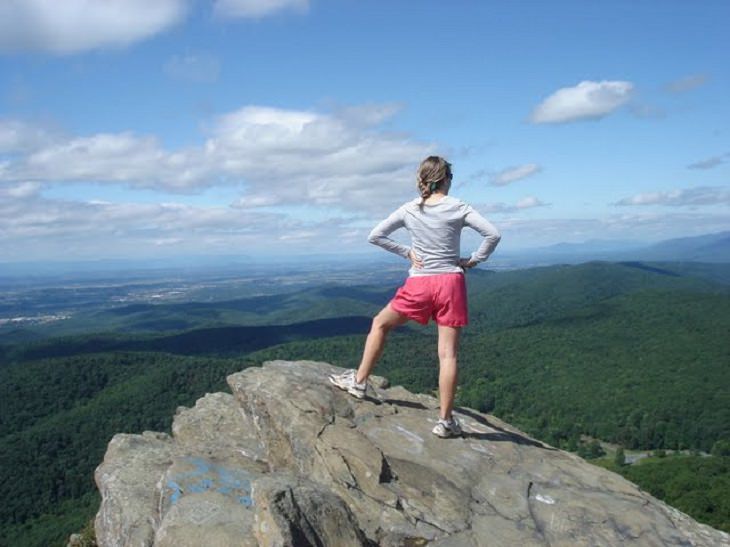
column 435, row 233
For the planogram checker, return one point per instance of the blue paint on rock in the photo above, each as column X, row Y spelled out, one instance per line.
column 208, row 476
column 176, row 491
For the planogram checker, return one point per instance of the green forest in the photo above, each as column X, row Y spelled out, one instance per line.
column 58, row 416
column 630, row 353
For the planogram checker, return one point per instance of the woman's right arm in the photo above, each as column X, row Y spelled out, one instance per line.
column 491, row 236
column 379, row 235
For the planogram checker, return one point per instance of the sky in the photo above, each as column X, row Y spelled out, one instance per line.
column 163, row 128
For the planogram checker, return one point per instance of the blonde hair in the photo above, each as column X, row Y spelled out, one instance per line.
column 433, row 173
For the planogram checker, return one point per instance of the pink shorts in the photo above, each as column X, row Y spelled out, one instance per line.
column 441, row 297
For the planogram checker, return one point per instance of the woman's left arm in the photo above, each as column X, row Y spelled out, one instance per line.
column 491, row 235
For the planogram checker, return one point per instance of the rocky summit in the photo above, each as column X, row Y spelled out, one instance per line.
column 288, row 459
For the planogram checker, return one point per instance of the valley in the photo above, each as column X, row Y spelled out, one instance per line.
column 629, row 354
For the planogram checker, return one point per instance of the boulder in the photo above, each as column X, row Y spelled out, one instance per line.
column 292, row 510
column 289, row 459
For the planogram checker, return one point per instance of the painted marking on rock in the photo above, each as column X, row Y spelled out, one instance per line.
column 544, row 499
column 480, row 448
column 409, row 434
column 207, row 476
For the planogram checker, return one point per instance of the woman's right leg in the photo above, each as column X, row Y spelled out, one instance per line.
column 448, row 373
column 383, row 323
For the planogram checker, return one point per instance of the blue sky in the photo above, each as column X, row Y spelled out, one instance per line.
column 138, row 128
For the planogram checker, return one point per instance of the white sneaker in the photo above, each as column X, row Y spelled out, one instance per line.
column 346, row 381
column 447, row 428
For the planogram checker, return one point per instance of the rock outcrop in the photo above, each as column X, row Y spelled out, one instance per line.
column 289, row 459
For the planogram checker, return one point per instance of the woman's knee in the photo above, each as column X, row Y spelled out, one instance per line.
column 381, row 323
column 388, row 319
column 448, row 354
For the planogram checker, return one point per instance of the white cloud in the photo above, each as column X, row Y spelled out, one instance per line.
column 71, row 26
column 648, row 226
column 255, row 9
column 252, row 201
column 304, row 157
column 368, row 115
column 19, row 136
column 528, row 202
column 298, row 236
column 701, row 195
column 167, row 241
column 524, row 203
column 43, row 228
column 519, row 231
column 512, row 174
column 282, row 157
column 46, row 228
column 194, row 67
column 687, row 83
column 110, row 157
column 24, row 190
column 587, row 100
column 710, row 163
column 53, row 228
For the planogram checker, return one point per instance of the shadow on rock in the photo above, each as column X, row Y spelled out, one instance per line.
column 502, row 435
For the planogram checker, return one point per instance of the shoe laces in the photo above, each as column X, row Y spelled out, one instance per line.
column 352, row 373
column 450, row 423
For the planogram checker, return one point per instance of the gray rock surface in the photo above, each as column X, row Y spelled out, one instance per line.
column 291, row 460
column 291, row 510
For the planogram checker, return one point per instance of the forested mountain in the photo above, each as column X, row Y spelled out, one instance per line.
column 218, row 341
column 705, row 248
column 634, row 353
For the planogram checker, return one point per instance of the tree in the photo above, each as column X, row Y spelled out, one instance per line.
column 721, row 448
column 620, row 458
column 572, row 444
column 591, row 451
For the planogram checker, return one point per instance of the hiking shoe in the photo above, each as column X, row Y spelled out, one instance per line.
column 447, row 428
column 346, row 381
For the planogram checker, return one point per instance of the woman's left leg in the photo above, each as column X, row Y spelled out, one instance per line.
column 448, row 349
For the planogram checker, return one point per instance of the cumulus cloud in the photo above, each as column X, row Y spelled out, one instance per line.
column 710, row 163
column 319, row 159
column 512, row 174
column 194, row 67
column 109, row 157
column 70, row 26
column 687, row 83
column 281, row 156
column 587, row 100
column 255, row 9
column 701, row 195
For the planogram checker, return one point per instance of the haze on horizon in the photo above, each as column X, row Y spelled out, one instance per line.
column 216, row 127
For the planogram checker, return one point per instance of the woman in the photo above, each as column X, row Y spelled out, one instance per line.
column 435, row 287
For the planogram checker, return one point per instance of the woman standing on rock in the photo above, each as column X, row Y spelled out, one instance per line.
column 435, row 287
